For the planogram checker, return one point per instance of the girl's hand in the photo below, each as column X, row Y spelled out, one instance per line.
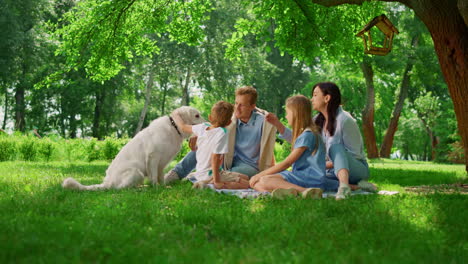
column 273, row 119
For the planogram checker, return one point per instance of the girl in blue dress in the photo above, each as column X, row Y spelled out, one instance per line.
column 307, row 157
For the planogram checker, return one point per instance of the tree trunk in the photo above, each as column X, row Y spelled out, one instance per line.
column 434, row 143
column 368, row 112
column 149, row 87
column 386, row 147
column 163, row 101
column 5, row 113
column 450, row 35
column 20, row 108
column 387, row 143
column 72, row 120
column 432, row 137
column 185, row 90
column 97, row 112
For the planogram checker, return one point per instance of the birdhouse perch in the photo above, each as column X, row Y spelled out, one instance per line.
column 386, row 27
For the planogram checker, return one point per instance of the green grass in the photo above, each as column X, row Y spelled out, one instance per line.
column 42, row 223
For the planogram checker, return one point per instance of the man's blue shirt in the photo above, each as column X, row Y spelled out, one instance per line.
column 248, row 138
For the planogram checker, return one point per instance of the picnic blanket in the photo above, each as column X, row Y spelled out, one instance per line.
column 251, row 193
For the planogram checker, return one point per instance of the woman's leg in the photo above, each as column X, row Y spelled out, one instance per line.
column 332, row 183
column 270, row 182
column 339, row 158
column 347, row 168
column 358, row 170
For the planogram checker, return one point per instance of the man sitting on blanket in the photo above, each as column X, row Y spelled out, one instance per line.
column 251, row 141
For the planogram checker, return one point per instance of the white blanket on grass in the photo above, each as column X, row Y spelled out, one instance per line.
column 251, row 193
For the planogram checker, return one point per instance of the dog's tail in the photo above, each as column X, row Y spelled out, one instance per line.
column 70, row 183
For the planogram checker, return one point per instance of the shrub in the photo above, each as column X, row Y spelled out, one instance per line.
column 111, row 148
column 76, row 149
column 92, row 150
column 183, row 151
column 7, row 149
column 28, row 148
column 282, row 150
column 45, row 148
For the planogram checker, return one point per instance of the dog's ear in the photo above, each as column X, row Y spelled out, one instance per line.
column 187, row 114
column 182, row 112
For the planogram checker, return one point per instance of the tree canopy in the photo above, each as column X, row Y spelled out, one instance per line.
column 119, row 64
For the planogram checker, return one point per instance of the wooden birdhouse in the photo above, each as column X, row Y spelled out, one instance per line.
column 386, row 27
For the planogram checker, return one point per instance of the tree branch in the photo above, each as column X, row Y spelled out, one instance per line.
column 305, row 10
column 329, row 3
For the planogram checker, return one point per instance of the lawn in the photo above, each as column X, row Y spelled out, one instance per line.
column 42, row 223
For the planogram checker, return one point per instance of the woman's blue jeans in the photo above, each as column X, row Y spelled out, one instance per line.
column 342, row 159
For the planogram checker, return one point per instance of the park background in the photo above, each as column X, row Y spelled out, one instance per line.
column 87, row 81
column 400, row 100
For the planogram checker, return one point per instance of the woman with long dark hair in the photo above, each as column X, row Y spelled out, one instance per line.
column 347, row 163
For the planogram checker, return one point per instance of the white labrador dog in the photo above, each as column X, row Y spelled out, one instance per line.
column 146, row 155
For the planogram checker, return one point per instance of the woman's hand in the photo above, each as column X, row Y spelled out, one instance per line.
column 329, row 165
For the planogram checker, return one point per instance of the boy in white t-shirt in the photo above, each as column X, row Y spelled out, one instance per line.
column 212, row 144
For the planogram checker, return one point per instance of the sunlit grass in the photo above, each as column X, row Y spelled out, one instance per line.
column 43, row 223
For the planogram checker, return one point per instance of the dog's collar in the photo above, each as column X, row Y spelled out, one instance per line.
column 174, row 125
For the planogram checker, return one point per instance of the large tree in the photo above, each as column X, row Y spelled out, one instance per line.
column 447, row 21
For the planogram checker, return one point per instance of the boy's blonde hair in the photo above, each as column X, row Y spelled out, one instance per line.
column 301, row 110
column 248, row 90
column 221, row 113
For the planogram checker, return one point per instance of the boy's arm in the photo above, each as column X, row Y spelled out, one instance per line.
column 180, row 123
column 216, row 160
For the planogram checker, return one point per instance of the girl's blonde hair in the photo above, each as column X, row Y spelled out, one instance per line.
column 301, row 110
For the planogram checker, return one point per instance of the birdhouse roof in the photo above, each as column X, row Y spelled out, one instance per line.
column 382, row 23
